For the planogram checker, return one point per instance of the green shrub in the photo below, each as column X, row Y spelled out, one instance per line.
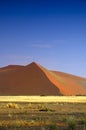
column 83, row 121
column 53, row 127
column 71, row 123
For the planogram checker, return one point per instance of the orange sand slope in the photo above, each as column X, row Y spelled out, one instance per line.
column 34, row 79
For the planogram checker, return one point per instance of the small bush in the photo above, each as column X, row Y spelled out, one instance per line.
column 53, row 127
column 42, row 95
column 71, row 123
column 42, row 107
column 83, row 121
column 12, row 105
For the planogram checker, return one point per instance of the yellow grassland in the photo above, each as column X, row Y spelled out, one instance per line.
column 70, row 99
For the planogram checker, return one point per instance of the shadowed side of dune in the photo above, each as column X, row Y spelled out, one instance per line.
column 28, row 80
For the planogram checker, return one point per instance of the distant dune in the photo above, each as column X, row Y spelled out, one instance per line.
column 34, row 79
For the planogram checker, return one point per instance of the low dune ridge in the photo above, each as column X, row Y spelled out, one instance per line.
column 34, row 79
column 11, row 67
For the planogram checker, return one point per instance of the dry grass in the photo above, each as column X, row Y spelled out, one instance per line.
column 22, row 115
column 70, row 99
column 12, row 105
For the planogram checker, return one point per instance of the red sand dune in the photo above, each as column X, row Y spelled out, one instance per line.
column 34, row 79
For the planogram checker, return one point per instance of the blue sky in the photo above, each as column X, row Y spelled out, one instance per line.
column 50, row 32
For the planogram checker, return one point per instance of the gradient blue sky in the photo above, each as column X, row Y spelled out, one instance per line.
column 50, row 32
